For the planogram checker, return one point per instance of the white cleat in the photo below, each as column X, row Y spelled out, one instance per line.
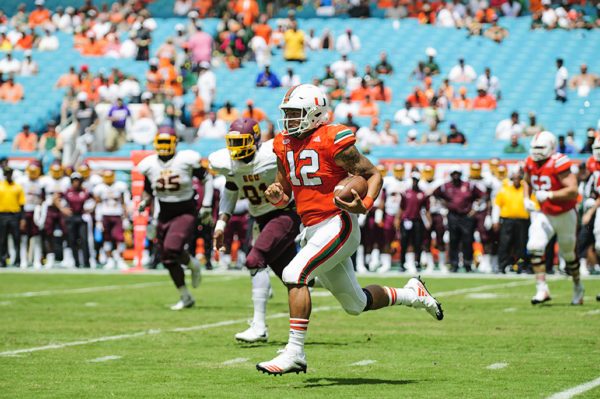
column 578, row 292
column 289, row 361
column 194, row 265
column 23, row 265
column 253, row 334
column 542, row 295
column 110, row 264
column 424, row 300
column 50, row 261
column 121, row 264
column 186, row 302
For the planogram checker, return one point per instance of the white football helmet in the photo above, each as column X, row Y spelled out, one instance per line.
column 596, row 149
column 542, row 146
column 312, row 104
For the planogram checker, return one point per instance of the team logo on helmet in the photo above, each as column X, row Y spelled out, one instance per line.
column 303, row 108
column 243, row 138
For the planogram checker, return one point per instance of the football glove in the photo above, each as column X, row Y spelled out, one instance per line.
column 529, row 205
column 543, row 195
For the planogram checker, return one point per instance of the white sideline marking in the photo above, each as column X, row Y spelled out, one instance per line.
column 510, row 309
column 90, row 304
column 596, row 311
column 496, row 366
column 236, row 360
column 482, row 295
column 82, row 290
column 482, row 288
column 363, row 362
column 6, row 303
column 569, row 393
column 141, row 333
column 104, row 359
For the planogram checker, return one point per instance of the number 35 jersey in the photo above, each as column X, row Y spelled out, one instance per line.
column 171, row 180
column 252, row 178
column 312, row 171
column 545, row 177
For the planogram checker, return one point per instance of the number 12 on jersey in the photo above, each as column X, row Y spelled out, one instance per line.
column 306, row 169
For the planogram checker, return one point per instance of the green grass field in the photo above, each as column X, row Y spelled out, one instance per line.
column 159, row 353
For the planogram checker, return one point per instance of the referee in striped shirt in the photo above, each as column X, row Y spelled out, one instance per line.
column 12, row 199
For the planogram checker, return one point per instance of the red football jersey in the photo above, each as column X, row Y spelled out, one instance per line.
column 312, row 171
column 592, row 165
column 545, row 177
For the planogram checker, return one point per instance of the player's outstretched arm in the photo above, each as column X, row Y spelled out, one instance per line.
column 352, row 161
column 280, row 192
column 569, row 191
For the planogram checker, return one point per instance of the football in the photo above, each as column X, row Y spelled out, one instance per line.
column 344, row 187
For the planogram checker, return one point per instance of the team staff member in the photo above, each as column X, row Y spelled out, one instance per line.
column 512, row 221
column 12, row 200
column 458, row 197
column 414, row 203
column 77, row 228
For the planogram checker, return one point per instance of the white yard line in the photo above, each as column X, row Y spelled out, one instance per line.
column 496, row 366
column 569, row 393
column 482, row 288
column 104, row 359
column 102, row 288
column 363, row 362
column 149, row 332
column 236, row 360
column 510, row 309
column 595, row 311
column 6, row 303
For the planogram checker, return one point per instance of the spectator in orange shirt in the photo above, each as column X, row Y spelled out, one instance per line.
column 26, row 41
column 11, row 92
column 429, row 91
column 197, row 109
column 25, row 141
column 228, row 113
column 39, row 15
column 484, row 101
column 248, row 9
column 486, row 15
column 93, row 47
column 262, row 29
column 253, row 112
column 417, row 98
column 360, row 93
column 368, row 107
column 153, row 78
column 69, row 79
column 381, row 93
column 462, row 103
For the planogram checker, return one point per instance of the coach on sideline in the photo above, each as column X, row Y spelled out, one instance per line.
column 512, row 220
column 12, row 199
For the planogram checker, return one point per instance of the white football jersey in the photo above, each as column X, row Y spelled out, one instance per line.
column 32, row 190
column 251, row 179
column 172, row 181
column 435, row 205
column 53, row 186
column 110, row 198
column 393, row 194
column 91, row 182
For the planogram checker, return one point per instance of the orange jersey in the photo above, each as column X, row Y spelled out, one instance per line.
column 545, row 177
column 312, row 171
column 592, row 165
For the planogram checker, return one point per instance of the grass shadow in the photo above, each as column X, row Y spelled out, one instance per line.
column 336, row 381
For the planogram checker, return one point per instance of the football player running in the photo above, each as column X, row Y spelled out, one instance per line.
column 249, row 167
column 548, row 176
column 169, row 174
column 313, row 156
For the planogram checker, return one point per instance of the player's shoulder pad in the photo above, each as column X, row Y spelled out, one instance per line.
column 189, row 157
column 220, row 162
column 146, row 163
column 337, row 132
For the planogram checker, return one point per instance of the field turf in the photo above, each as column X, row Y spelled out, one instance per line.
column 113, row 336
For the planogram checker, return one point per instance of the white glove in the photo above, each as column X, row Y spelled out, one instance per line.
column 487, row 222
column 543, row 195
column 100, row 227
column 126, row 224
column 362, row 218
column 205, row 215
column 529, row 205
column 378, row 216
column 151, row 231
column 143, row 205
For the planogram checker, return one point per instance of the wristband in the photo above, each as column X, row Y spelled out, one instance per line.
column 220, row 225
column 281, row 201
column 368, row 202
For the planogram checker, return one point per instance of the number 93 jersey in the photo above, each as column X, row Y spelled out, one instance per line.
column 172, row 181
column 312, row 171
column 545, row 177
column 252, row 178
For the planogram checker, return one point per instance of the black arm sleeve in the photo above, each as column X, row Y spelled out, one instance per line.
column 231, row 186
column 200, row 173
column 147, row 186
